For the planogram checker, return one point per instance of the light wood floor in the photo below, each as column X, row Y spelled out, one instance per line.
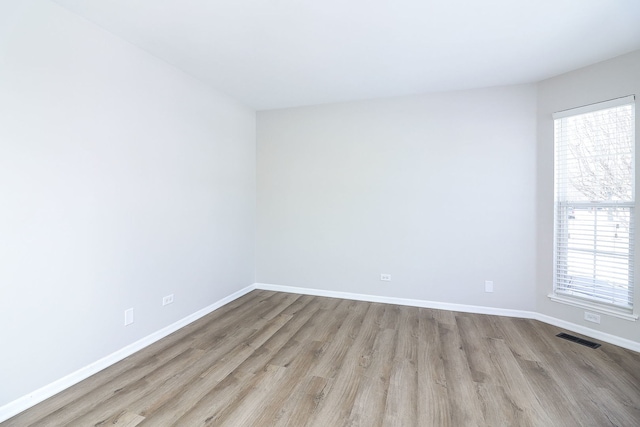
column 277, row 359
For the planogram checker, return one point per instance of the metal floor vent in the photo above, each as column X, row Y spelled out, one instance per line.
column 586, row 343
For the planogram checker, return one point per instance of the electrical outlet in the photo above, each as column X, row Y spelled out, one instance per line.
column 167, row 300
column 385, row 277
column 128, row 316
column 488, row 286
column 591, row 317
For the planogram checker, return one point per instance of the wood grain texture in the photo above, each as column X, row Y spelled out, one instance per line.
column 277, row 359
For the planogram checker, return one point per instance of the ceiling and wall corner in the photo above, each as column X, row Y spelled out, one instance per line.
column 280, row 54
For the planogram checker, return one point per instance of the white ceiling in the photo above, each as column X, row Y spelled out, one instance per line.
column 284, row 53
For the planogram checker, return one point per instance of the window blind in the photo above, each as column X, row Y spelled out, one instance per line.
column 594, row 202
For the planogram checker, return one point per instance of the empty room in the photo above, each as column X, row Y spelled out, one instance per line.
column 319, row 213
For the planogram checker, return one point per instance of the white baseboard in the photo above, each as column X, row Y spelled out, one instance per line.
column 592, row 333
column 25, row 402
column 399, row 301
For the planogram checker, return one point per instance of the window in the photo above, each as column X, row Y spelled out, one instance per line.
column 594, row 204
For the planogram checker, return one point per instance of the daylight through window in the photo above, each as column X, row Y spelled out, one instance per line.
column 594, row 202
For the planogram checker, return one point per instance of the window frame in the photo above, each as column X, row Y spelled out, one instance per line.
column 570, row 298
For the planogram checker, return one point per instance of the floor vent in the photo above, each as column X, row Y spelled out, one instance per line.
column 586, row 343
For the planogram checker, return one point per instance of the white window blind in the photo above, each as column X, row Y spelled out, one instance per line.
column 594, row 203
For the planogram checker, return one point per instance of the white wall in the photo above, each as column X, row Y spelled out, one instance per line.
column 121, row 180
column 437, row 190
column 600, row 82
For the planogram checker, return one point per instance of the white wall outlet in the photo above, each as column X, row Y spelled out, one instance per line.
column 167, row 300
column 385, row 277
column 488, row 285
column 591, row 317
column 128, row 316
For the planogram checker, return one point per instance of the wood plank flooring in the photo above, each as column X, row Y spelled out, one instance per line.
column 277, row 359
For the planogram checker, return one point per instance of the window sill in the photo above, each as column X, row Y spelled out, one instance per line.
column 593, row 307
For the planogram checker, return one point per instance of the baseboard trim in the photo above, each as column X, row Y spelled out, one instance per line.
column 592, row 333
column 25, row 402
column 399, row 301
